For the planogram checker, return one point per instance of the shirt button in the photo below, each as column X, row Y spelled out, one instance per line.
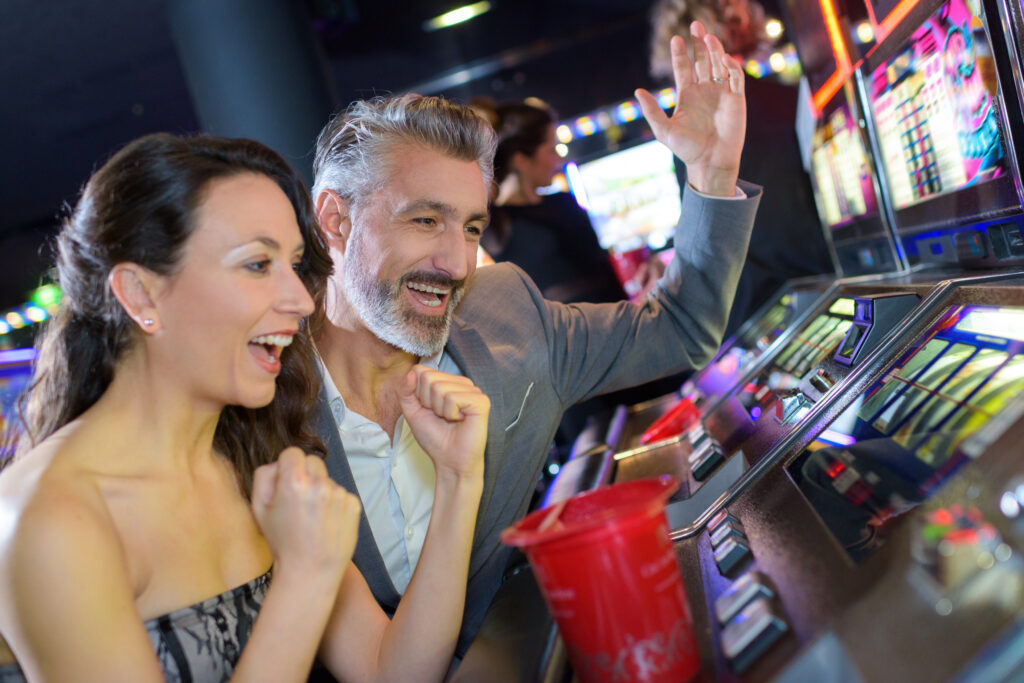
column 408, row 532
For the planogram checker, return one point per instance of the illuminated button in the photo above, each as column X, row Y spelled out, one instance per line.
column 720, row 518
column 750, row 633
column 730, row 554
column 822, row 381
column 741, row 593
column 703, row 468
column 725, row 532
column 698, row 436
column 699, row 452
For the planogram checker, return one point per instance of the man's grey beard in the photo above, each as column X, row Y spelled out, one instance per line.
column 378, row 303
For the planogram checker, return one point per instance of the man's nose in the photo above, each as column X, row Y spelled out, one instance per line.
column 451, row 254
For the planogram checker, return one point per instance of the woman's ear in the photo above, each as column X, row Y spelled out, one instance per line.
column 135, row 288
column 517, row 161
column 334, row 218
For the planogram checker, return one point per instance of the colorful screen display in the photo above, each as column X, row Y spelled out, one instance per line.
column 898, row 442
column 15, row 374
column 934, row 107
column 631, row 196
column 843, row 185
column 758, row 337
column 812, row 344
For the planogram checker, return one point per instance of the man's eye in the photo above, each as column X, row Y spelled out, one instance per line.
column 474, row 230
column 427, row 220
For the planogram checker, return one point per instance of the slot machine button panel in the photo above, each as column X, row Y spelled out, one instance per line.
column 720, row 518
column 730, row 554
column 702, row 467
column 725, row 532
column 750, row 633
column 741, row 593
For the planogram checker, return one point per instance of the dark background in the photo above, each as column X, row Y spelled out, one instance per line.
column 80, row 79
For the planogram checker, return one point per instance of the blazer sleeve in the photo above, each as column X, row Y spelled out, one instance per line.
column 596, row 348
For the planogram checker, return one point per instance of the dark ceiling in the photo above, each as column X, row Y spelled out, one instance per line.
column 79, row 79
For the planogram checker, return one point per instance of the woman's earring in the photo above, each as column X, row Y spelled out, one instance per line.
column 148, row 322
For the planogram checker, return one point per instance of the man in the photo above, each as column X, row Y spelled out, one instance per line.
column 401, row 196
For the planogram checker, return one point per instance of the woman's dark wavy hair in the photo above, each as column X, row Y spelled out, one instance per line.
column 140, row 207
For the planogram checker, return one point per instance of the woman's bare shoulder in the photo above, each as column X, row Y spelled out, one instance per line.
column 50, row 503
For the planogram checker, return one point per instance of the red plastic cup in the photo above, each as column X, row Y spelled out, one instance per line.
column 676, row 420
column 610, row 577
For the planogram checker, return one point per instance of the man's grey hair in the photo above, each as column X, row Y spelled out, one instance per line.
column 353, row 151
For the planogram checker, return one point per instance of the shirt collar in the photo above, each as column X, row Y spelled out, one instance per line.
column 334, row 397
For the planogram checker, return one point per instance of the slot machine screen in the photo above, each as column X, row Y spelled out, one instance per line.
column 898, row 442
column 15, row 374
column 935, row 104
column 841, row 166
column 631, row 196
column 758, row 337
column 810, row 346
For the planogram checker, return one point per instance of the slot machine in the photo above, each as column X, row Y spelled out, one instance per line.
column 851, row 504
column 881, row 541
column 15, row 375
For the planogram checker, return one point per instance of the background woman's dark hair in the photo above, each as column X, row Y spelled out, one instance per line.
column 522, row 127
column 140, row 208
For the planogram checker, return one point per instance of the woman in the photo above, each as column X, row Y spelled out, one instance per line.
column 548, row 236
column 178, row 368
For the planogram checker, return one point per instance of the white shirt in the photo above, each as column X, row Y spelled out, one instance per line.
column 395, row 480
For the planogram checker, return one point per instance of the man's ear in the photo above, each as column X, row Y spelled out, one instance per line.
column 136, row 288
column 334, row 217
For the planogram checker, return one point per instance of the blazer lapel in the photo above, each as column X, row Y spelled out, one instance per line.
column 367, row 557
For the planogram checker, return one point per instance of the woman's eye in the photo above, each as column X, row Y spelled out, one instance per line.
column 260, row 266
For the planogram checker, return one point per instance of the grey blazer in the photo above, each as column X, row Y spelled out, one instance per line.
column 534, row 358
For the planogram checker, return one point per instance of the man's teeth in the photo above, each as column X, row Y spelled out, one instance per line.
column 273, row 340
column 427, row 288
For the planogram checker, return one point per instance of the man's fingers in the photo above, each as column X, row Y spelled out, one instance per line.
column 701, row 58
column 656, row 118
column 735, row 71
column 716, row 54
column 682, row 69
column 461, row 404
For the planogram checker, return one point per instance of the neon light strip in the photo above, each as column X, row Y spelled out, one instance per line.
column 836, row 438
column 895, row 17
column 843, row 66
column 17, row 356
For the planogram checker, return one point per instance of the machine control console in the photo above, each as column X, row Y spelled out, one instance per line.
column 751, row 633
column 741, row 593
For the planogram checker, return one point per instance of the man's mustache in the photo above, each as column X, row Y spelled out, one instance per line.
column 433, row 279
